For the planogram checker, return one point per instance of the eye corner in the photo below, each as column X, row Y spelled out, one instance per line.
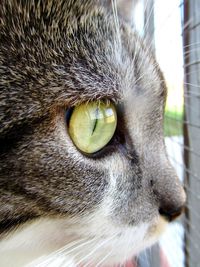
column 68, row 113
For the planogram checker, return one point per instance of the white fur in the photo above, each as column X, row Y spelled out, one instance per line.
column 94, row 238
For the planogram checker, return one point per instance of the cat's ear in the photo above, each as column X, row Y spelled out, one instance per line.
column 126, row 8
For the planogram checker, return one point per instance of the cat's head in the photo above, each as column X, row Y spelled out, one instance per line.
column 62, row 62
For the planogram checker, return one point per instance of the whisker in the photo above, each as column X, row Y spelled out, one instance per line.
column 138, row 40
column 80, row 246
column 116, row 20
column 103, row 259
column 149, row 47
column 96, row 248
column 191, row 50
column 63, row 250
column 62, row 261
column 55, row 253
column 149, row 16
column 191, row 84
column 192, row 44
column 129, row 242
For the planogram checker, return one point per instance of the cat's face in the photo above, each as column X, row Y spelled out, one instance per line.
column 105, row 206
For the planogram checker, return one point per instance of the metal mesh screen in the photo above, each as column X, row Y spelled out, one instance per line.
column 191, row 37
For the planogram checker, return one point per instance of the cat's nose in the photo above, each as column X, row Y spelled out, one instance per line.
column 171, row 212
column 171, row 197
column 172, row 205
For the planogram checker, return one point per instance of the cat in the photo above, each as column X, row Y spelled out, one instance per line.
column 84, row 174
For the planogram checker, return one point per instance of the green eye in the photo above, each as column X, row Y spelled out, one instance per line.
column 92, row 125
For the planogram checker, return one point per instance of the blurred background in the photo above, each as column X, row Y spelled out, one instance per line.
column 172, row 28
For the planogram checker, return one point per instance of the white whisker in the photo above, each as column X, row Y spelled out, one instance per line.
column 148, row 18
column 96, row 248
column 102, row 260
column 63, row 250
column 192, row 44
column 191, row 50
column 191, row 84
column 116, row 21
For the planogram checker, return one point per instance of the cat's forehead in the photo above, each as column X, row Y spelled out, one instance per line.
column 109, row 60
column 101, row 61
column 70, row 55
column 80, row 50
column 114, row 67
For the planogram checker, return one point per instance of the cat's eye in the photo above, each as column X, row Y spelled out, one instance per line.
column 92, row 125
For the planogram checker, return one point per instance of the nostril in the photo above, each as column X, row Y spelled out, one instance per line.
column 151, row 183
column 171, row 213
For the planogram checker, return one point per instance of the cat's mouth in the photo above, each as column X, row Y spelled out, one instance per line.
column 157, row 228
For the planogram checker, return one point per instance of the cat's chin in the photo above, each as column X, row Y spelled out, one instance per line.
column 50, row 241
column 114, row 249
column 129, row 243
column 119, row 245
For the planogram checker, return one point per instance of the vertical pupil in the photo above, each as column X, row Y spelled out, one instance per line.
column 96, row 120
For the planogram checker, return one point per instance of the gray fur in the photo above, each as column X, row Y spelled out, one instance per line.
column 57, row 54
